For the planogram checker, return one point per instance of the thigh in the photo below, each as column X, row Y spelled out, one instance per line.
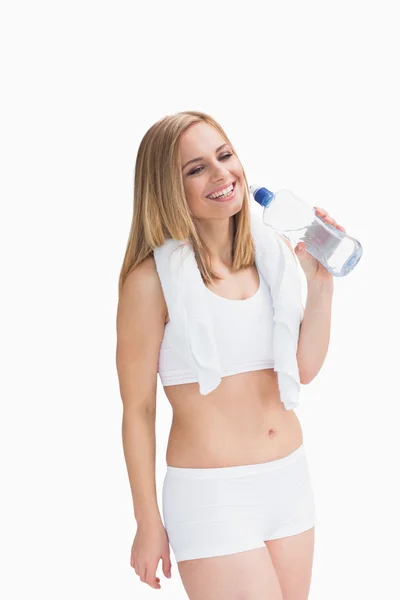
column 248, row 575
column 292, row 558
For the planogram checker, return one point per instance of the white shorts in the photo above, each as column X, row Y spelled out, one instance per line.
column 216, row 511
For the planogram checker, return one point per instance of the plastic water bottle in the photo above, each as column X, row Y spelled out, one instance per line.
column 297, row 221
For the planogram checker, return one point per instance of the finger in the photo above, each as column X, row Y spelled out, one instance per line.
column 324, row 214
column 331, row 220
column 166, row 566
column 321, row 211
column 166, row 562
column 151, row 579
column 326, row 217
column 334, row 223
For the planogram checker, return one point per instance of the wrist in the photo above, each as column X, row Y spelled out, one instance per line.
column 149, row 519
column 320, row 286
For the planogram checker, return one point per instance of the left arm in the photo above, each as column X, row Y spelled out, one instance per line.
column 315, row 327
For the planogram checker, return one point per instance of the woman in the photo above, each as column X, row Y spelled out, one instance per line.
column 237, row 499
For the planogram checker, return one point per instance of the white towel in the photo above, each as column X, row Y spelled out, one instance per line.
column 192, row 334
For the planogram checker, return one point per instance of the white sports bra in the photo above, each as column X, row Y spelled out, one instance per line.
column 209, row 337
column 243, row 334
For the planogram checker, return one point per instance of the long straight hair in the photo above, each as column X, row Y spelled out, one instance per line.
column 160, row 210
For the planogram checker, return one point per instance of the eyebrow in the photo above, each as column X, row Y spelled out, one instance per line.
column 202, row 157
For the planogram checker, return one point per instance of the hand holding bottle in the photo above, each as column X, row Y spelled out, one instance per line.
column 312, row 228
column 313, row 269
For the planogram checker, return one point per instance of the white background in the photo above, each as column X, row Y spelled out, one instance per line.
column 308, row 93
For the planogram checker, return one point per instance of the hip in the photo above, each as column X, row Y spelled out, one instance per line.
column 214, row 511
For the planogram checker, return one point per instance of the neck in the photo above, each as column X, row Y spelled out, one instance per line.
column 217, row 234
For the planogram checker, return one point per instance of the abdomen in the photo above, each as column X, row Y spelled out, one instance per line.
column 243, row 421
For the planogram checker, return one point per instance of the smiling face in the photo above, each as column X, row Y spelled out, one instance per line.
column 216, row 169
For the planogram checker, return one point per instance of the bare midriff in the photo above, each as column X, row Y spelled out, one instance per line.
column 242, row 421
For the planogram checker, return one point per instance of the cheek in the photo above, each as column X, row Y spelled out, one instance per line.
column 239, row 169
column 193, row 192
column 194, row 189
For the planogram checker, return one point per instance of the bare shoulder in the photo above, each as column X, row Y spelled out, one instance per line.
column 140, row 325
column 144, row 272
column 142, row 289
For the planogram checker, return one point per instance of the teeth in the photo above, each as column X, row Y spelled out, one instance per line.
column 224, row 192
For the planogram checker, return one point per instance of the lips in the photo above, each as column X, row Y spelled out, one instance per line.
column 222, row 187
column 225, row 198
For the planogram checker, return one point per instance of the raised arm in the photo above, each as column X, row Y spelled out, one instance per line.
column 315, row 327
column 140, row 327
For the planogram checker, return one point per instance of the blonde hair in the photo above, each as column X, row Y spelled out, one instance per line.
column 160, row 210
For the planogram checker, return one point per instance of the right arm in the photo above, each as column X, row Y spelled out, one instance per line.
column 141, row 319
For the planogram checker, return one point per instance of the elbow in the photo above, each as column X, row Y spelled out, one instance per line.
column 307, row 370
column 306, row 377
column 305, row 380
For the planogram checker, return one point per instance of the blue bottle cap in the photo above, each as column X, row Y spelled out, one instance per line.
column 261, row 195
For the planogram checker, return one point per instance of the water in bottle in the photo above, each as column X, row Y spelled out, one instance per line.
column 292, row 217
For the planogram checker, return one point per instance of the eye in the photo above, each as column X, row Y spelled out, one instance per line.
column 223, row 157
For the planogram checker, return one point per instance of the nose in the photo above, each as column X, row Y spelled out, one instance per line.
column 220, row 172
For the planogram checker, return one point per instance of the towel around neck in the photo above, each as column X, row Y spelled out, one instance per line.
column 187, row 301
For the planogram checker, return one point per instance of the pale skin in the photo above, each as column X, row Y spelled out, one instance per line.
column 281, row 570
